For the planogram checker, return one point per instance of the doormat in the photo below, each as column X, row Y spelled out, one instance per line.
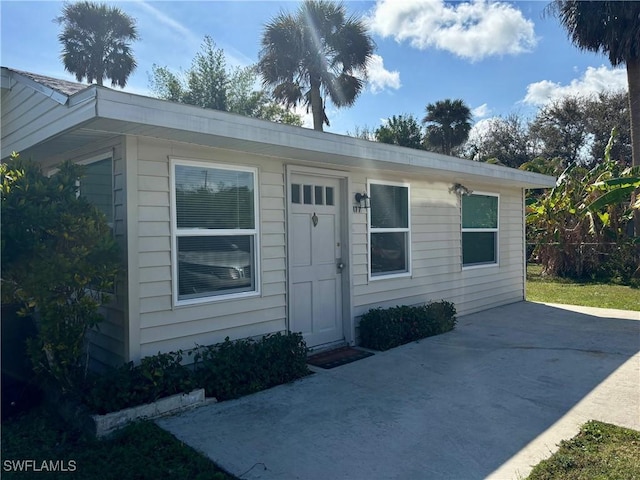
column 337, row 357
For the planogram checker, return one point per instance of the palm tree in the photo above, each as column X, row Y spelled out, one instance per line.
column 96, row 42
column 448, row 125
column 317, row 52
column 612, row 28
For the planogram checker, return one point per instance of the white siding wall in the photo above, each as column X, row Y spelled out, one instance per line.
column 436, row 252
column 163, row 327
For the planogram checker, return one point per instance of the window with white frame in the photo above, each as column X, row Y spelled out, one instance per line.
column 96, row 185
column 479, row 229
column 389, row 229
column 215, row 234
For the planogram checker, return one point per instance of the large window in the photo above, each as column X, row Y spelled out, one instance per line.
column 479, row 229
column 389, row 230
column 96, row 186
column 215, row 230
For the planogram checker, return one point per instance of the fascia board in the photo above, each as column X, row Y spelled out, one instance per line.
column 259, row 136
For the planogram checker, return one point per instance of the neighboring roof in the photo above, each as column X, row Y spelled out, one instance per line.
column 100, row 113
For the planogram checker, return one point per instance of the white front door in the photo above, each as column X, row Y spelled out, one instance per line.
column 315, row 263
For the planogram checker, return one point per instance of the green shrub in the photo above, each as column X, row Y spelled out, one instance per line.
column 232, row 369
column 155, row 377
column 58, row 257
column 382, row 329
column 227, row 370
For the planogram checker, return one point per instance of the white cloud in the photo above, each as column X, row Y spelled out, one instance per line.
column 472, row 30
column 168, row 22
column 594, row 81
column 481, row 111
column 380, row 78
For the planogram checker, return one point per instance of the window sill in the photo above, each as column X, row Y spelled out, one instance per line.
column 192, row 302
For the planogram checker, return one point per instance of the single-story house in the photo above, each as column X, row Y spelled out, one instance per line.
column 237, row 227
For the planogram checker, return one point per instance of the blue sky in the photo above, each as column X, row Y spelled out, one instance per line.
column 499, row 57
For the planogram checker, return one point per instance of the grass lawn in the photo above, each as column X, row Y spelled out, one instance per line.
column 572, row 292
column 141, row 451
column 600, row 451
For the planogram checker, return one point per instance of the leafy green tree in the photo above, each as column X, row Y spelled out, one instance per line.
column 612, row 28
column 317, row 52
column 58, row 257
column 505, row 140
column 96, row 42
column 402, row 130
column 210, row 83
column 448, row 123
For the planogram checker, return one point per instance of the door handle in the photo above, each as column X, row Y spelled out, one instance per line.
column 340, row 266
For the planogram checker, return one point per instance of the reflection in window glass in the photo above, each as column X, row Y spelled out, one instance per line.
column 216, row 231
column 389, row 232
column 295, row 193
column 329, row 194
column 308, row 199
column 479, row 230
column 96, row 185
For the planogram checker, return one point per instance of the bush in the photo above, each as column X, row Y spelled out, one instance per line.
column 58, row 257
column 227, row 370
column 232, row 369
column 382, row 329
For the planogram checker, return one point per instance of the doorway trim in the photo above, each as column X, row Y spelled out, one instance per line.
column 348, row 326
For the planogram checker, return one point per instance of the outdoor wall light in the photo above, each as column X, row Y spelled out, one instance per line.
column 460, row 189
column 363, row 202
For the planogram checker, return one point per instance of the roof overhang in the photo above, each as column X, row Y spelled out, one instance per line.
column 121, row 113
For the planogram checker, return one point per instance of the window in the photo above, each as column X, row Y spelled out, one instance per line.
column 389, row 238
column 215, row 231
column 479, row 229
column 97, row 186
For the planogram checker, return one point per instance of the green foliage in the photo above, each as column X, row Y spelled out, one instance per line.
column 382, row 329
column 209, row 83
column 141, row 451
column 58, row 257
column 226, row 370
column 402, row 130
column 448, row 123
column 600, row 450
column 155, row 377
column 96, row 42
column 316, row 53
column 582, row 228
column 233, row 369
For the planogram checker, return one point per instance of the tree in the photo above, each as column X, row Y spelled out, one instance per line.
column 402, row 130
column 448, row 125
column 505, row 140
column 209, row 83
column 612, row 28
column 560, row 131
column 96, row 42
column 58, row 258
column 317, row 52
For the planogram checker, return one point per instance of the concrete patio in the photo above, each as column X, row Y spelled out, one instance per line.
column 488, row 400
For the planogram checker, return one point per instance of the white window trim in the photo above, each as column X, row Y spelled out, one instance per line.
column 408, row 273
column 173, row 162
column 480, row 230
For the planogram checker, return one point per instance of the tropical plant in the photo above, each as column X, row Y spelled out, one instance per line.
column 612, row 28
column 58, row 258
column 96, row 42
column 580, row 227
column 315, row 53
column 402, row 130
column 448, row 123
column 209, row 83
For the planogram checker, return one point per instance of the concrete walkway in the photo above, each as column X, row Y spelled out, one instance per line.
column 488, row 400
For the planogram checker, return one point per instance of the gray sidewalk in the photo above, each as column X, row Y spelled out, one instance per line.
column 488, row 400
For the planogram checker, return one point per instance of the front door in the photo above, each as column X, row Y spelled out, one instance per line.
column 315, row 263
